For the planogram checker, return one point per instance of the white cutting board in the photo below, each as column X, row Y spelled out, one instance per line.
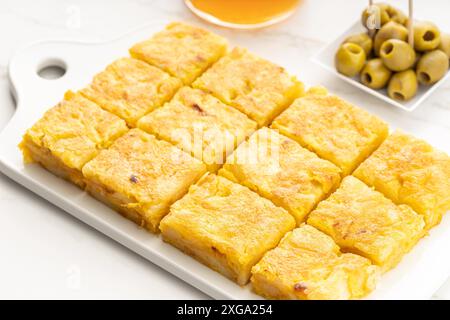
column 418, row 276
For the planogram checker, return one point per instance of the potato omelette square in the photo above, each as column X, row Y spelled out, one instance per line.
column 308, row 265
column 130, row 89
column 363, row 221
column 279, row 169
column 410, row 171
column 254, row 86
column 141, row 177
column 182, row 50
column 226, row 226
column 69, row 135
column 333, row 128
column 201, row 125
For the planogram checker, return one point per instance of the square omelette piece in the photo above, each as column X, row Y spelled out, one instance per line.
column 182, row 50
column 69, row 135
column 201, row 125
column 254, row 86
column 130, row 89
column 279, row 169
column 225, row 226
column 363, row 221
column 141, row 177
column 333, row 128
column 410, row 171
column 308, row 265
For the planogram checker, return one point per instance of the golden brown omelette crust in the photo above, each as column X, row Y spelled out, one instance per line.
column 361, row 220
column 69, row 135
column 225, row 225
column 183, row 50
column 255, row 86
column 283, row 171
column 332, row 128
column 130, row 88
column 200, row 124
column 146, row 173
column 410, row 171
column 307, row 264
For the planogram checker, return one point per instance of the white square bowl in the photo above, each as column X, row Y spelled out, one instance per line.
column 325, row 58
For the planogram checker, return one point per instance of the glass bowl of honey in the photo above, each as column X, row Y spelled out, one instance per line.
column 243, row 14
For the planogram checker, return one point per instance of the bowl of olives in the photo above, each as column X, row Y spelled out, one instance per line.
column 400, row 62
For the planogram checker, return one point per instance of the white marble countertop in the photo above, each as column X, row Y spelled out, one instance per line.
column 62, row 257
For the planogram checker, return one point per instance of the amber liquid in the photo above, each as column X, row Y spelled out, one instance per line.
column 245, row 12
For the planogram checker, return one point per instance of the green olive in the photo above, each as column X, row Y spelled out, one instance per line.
column 397, row 55
column 445, row 44
column 403, row 85
column 399, row 17
column 432, row 67
column 350, row 59
column 375, row 75
column 363, row 40
column 426, row 36
column 391, row 30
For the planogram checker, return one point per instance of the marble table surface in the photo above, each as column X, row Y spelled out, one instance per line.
column 63, row 258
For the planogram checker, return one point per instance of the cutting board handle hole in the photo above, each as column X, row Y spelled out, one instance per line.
column 51, row 69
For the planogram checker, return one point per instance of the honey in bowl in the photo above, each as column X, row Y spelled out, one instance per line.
column 243, row 13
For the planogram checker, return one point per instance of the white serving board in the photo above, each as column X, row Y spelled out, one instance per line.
column 418, row 276
column 325, row 58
